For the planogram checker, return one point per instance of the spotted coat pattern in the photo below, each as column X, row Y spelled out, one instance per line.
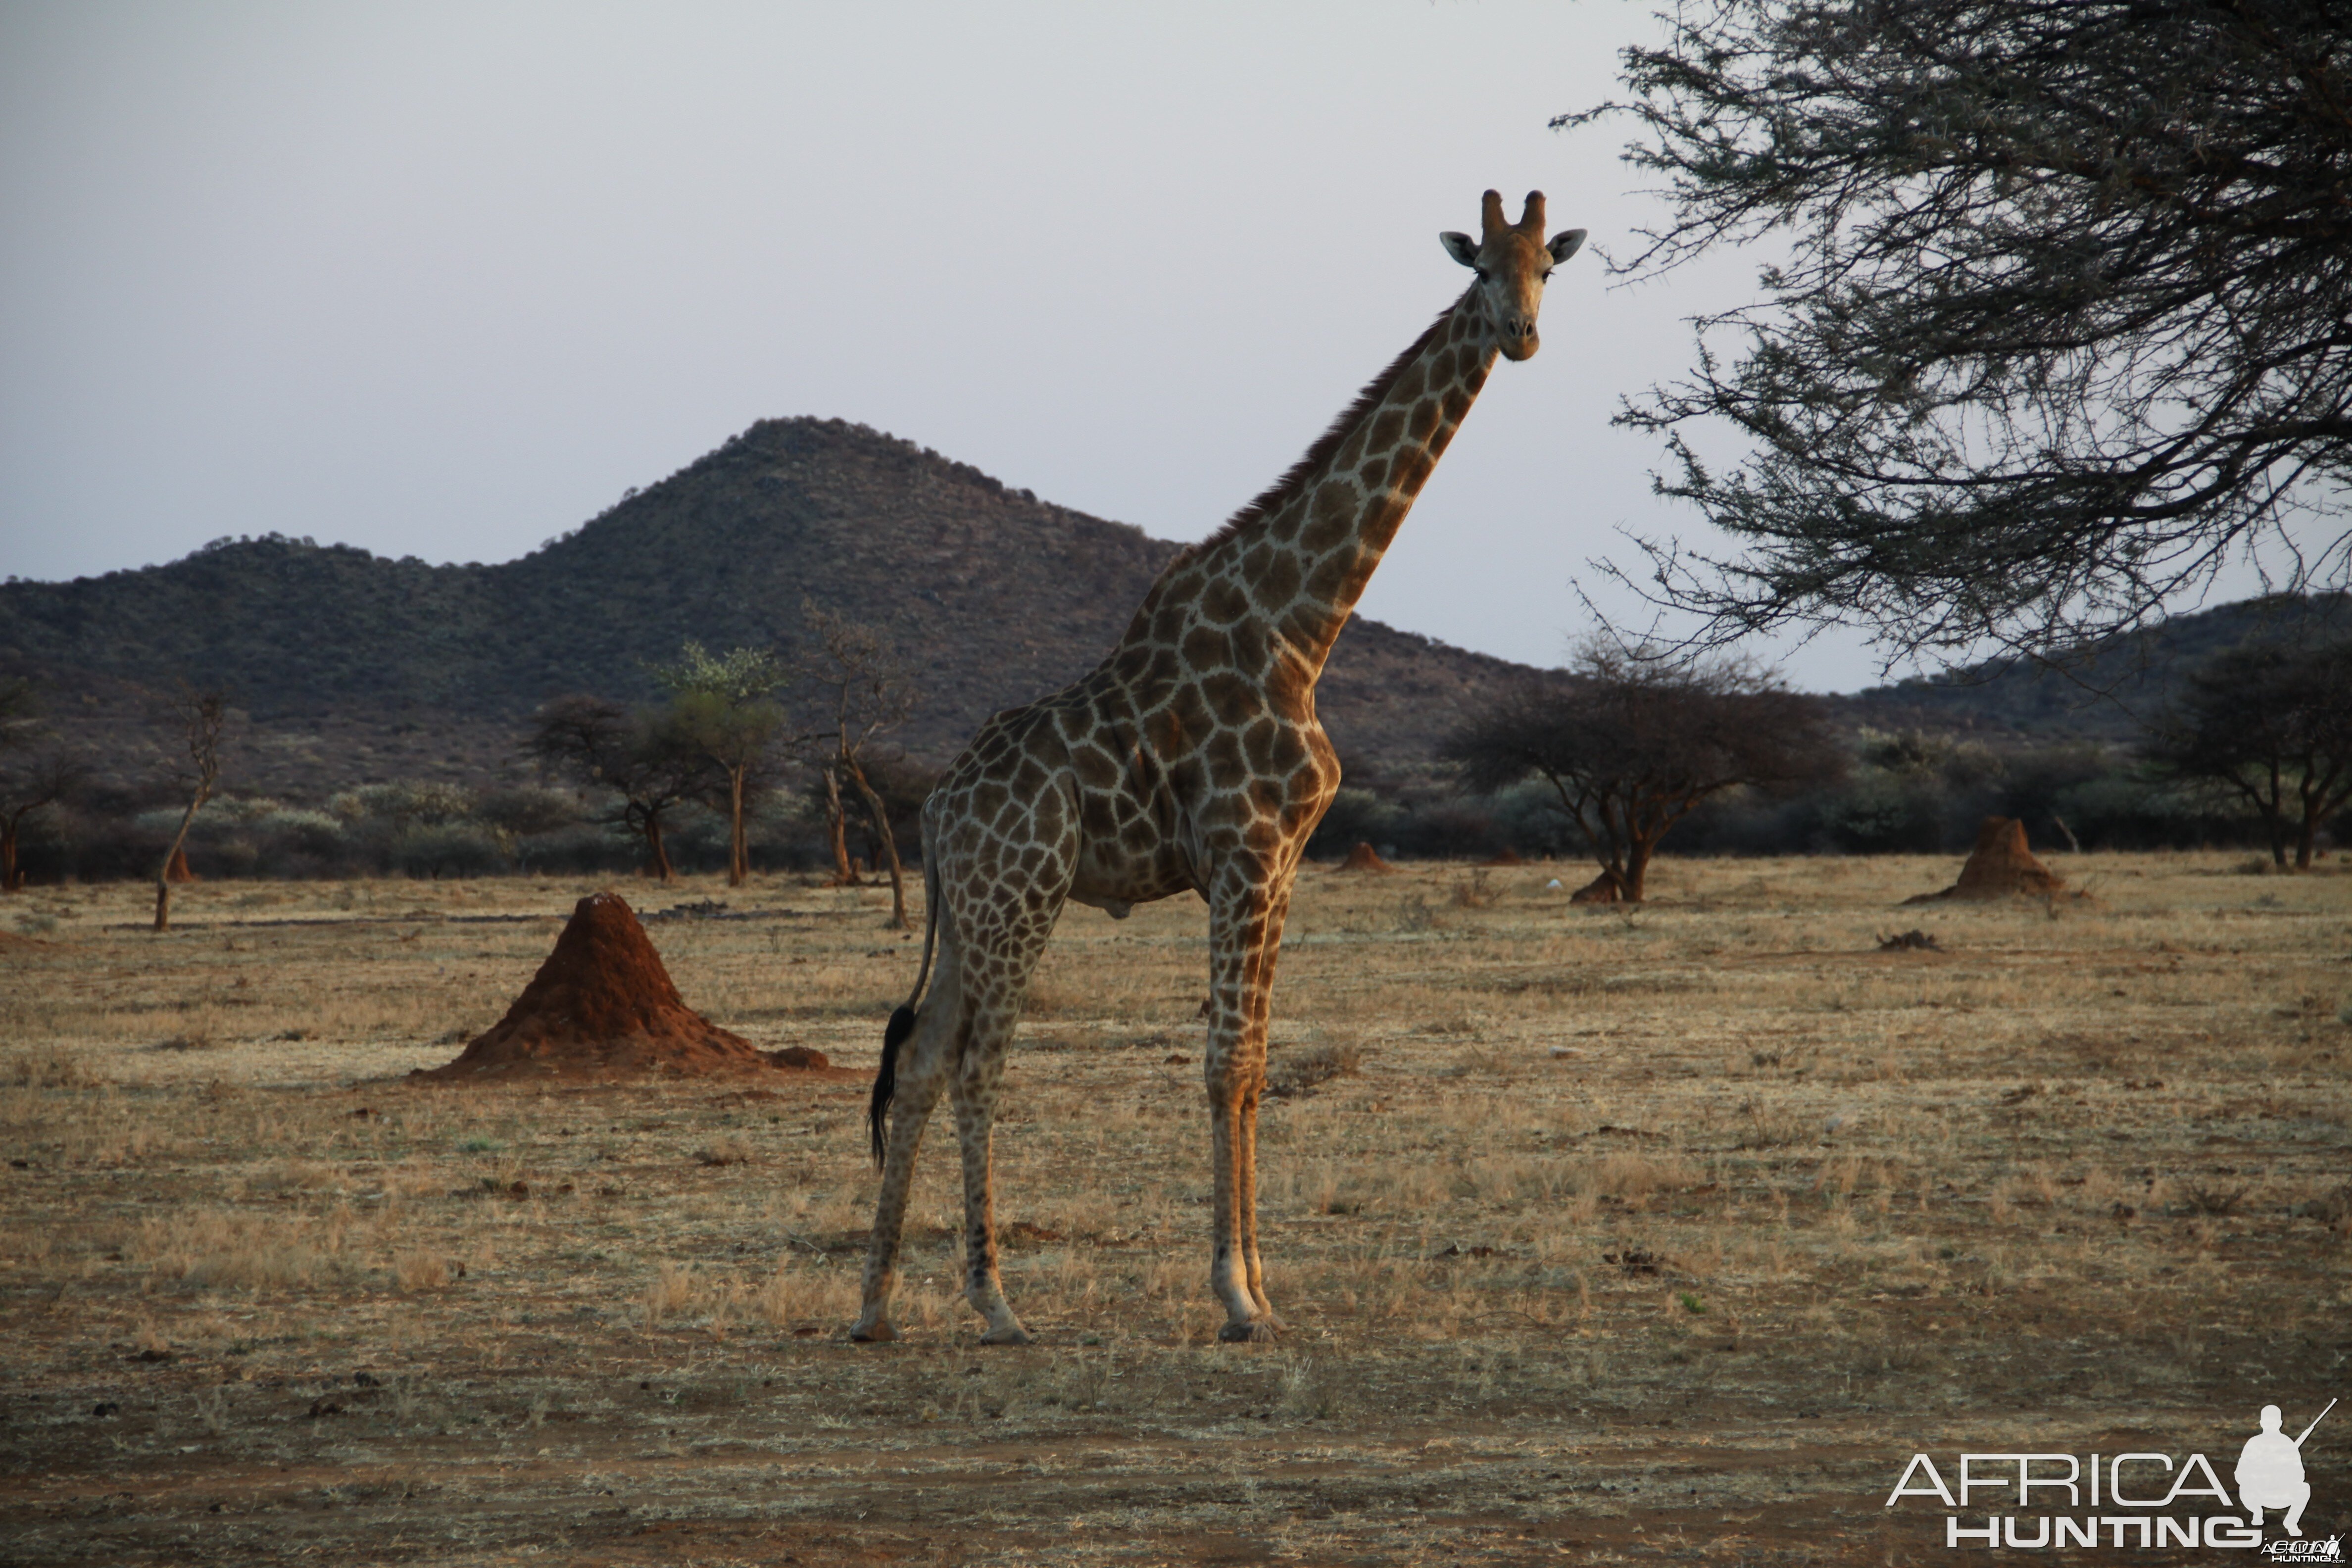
column 1190, row 759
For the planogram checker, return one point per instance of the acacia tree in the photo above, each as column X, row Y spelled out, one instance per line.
column 2272, row 722
column 865, row 692
column 36, row 772
column 723, row 707
column 641, row 755
column 30, row 783
column 1631, row 746
column 2062, row 325
column 200, row 716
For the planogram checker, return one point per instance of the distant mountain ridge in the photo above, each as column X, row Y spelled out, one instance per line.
column 354, row 668
column 2103, row 692
column 350, row 667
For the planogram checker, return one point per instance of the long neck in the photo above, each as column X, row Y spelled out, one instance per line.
column 1303, row 553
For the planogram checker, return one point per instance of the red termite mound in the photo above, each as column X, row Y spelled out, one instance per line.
column 179, row 870
column 1364, row 857
column 1999, row 866
column 603, row 1007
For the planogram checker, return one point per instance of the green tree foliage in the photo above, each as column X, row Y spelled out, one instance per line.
column 1631, row 746
column 2271, row 723
column 2061, row 328
column 723, row 707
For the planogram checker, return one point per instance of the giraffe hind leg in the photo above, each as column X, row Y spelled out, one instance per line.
column 1005, row 953
column 924, row 1060
column 974, row 1090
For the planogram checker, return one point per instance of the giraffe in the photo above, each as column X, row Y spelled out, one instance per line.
column 1190, row 759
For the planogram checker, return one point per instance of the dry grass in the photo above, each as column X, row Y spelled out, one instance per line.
column 1615, row 1233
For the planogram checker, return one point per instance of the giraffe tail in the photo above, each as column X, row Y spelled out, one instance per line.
column 902, row 1021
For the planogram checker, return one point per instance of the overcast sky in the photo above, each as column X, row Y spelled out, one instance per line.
column 444, row 279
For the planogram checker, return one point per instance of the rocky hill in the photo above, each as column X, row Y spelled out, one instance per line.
column 349, row 667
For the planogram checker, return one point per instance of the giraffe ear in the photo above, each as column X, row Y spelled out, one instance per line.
column 1460, row 247
column 1565, row 243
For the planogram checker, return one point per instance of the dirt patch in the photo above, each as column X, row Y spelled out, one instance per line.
column 603, row 1006
column 2000, row 867
column 1363, row 858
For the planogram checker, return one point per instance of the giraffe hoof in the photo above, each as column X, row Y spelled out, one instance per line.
column 873, row 1333
column 1013, row 1334
column 1256, row 1331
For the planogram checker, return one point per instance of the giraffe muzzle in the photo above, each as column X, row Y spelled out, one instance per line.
column 1518, row 340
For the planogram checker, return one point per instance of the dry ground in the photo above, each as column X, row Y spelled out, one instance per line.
column 1602, row 1236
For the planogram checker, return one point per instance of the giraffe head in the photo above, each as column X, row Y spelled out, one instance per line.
column 1512, row 261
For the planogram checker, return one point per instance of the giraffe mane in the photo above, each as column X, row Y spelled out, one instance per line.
column 1295, row 481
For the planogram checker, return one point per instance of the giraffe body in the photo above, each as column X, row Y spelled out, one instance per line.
column 1190, row 759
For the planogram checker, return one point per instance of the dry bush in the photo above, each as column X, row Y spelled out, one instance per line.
column 420, row 1270
column 1297, row 1072
column 1629, row 1174
column 801, row 1294
column 1475, row 891
column 1764, row 1126
column 1311, row 1389
column 46, row 1067
column 672, row 1289
column 225, row 1251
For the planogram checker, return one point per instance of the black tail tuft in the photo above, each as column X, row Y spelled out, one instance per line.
column 885, row 1082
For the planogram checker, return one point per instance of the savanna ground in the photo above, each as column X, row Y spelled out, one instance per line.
column 1602, row 1235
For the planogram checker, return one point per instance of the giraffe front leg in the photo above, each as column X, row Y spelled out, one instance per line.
column 1245, row 1160
column 1242, row 938
column 975, row 1086
column 1245, row 1209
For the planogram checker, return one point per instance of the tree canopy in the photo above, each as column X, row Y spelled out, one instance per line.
column 643, row 755
column 1631, row 746
column 2064, row 322
column 723, row 707
column 2272, row 723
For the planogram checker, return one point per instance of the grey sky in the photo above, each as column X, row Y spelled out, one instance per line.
column 442, row 279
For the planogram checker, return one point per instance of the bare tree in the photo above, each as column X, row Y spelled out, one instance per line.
column 1632, row 746
column 642, row 756
column 200, row 715
column 866, row 693
column 2272, row 722
column 723, row 707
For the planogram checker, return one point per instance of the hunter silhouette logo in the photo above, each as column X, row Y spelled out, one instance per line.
column 2135, row 1500
column 2270, row 1471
